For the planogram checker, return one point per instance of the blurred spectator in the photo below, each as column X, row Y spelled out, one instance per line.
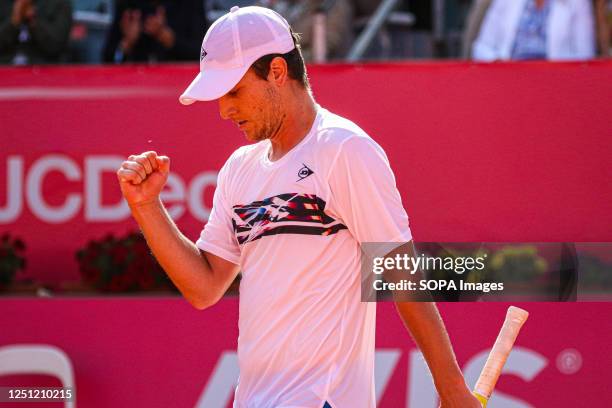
column 34, row 31
column 536, row 29
column 300, row 15
column 155, row 30
column 476, row 15
column 603, row 17
column 91, row 20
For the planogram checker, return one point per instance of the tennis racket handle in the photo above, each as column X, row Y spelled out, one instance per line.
column 515, row 318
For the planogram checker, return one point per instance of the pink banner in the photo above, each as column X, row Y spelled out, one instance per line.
column 501, row 152
column 130, row 352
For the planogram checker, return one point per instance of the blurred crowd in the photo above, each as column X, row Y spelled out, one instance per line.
column 150, row 31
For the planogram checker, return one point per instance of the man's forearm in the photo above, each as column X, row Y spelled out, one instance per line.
column 179, row 257
column 427, row 328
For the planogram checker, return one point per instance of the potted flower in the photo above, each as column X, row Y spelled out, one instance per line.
column 11, row 259
column 121, row 264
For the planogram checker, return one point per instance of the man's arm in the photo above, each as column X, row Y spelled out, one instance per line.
column 364, row 191
column 201, row 276
column 486, row 46
column 425, row 324
column 427, row 328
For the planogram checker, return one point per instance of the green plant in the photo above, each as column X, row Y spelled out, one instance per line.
column 518, row 263
column 595, row 272
column 121, row 264
column 11, row 259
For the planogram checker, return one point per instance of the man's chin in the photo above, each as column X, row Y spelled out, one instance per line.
column 253, row 137
column 250, row 138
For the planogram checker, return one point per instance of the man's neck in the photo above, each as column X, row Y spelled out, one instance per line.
column 296, row 124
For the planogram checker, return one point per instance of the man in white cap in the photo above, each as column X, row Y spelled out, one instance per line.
column 290, row 212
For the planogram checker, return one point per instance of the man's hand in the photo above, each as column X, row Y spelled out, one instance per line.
column 143, row 177
column 29, row 13
column 461, row 398
column 131, row 27
column 19, row 8
column 155, row 25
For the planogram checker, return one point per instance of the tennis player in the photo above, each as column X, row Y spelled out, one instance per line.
column 290, row 212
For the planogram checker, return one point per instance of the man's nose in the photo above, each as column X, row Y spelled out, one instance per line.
column 226, row 107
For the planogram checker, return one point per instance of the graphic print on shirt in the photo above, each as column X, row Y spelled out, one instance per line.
column 289, row 213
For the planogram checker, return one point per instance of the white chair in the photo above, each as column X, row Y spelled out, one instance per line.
column 38, row 359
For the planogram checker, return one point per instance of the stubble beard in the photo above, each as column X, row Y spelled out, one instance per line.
column 272, row 117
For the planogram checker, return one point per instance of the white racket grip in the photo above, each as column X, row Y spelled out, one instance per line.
column 515, row 318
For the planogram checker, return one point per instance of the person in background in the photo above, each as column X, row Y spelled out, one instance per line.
column 34, row 31
column 300, row 15
column 155, row 30
column 603, row 17
column 536, row 29
column 477, row 13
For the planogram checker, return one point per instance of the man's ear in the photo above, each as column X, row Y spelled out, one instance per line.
column 278, row 71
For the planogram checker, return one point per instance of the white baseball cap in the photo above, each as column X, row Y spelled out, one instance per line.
column 231, row 44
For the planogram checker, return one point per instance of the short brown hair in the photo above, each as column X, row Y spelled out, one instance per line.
column 295, row 63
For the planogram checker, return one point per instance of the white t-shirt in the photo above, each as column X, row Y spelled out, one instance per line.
column 294, row 226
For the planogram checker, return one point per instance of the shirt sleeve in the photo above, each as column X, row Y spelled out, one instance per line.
column 487, row 46
column 365, row 195
column 218, row 236
column 583, row 31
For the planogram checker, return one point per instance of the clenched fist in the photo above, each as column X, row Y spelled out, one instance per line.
column 143, row 177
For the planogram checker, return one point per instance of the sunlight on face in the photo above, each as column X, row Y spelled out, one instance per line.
column 254, row 105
